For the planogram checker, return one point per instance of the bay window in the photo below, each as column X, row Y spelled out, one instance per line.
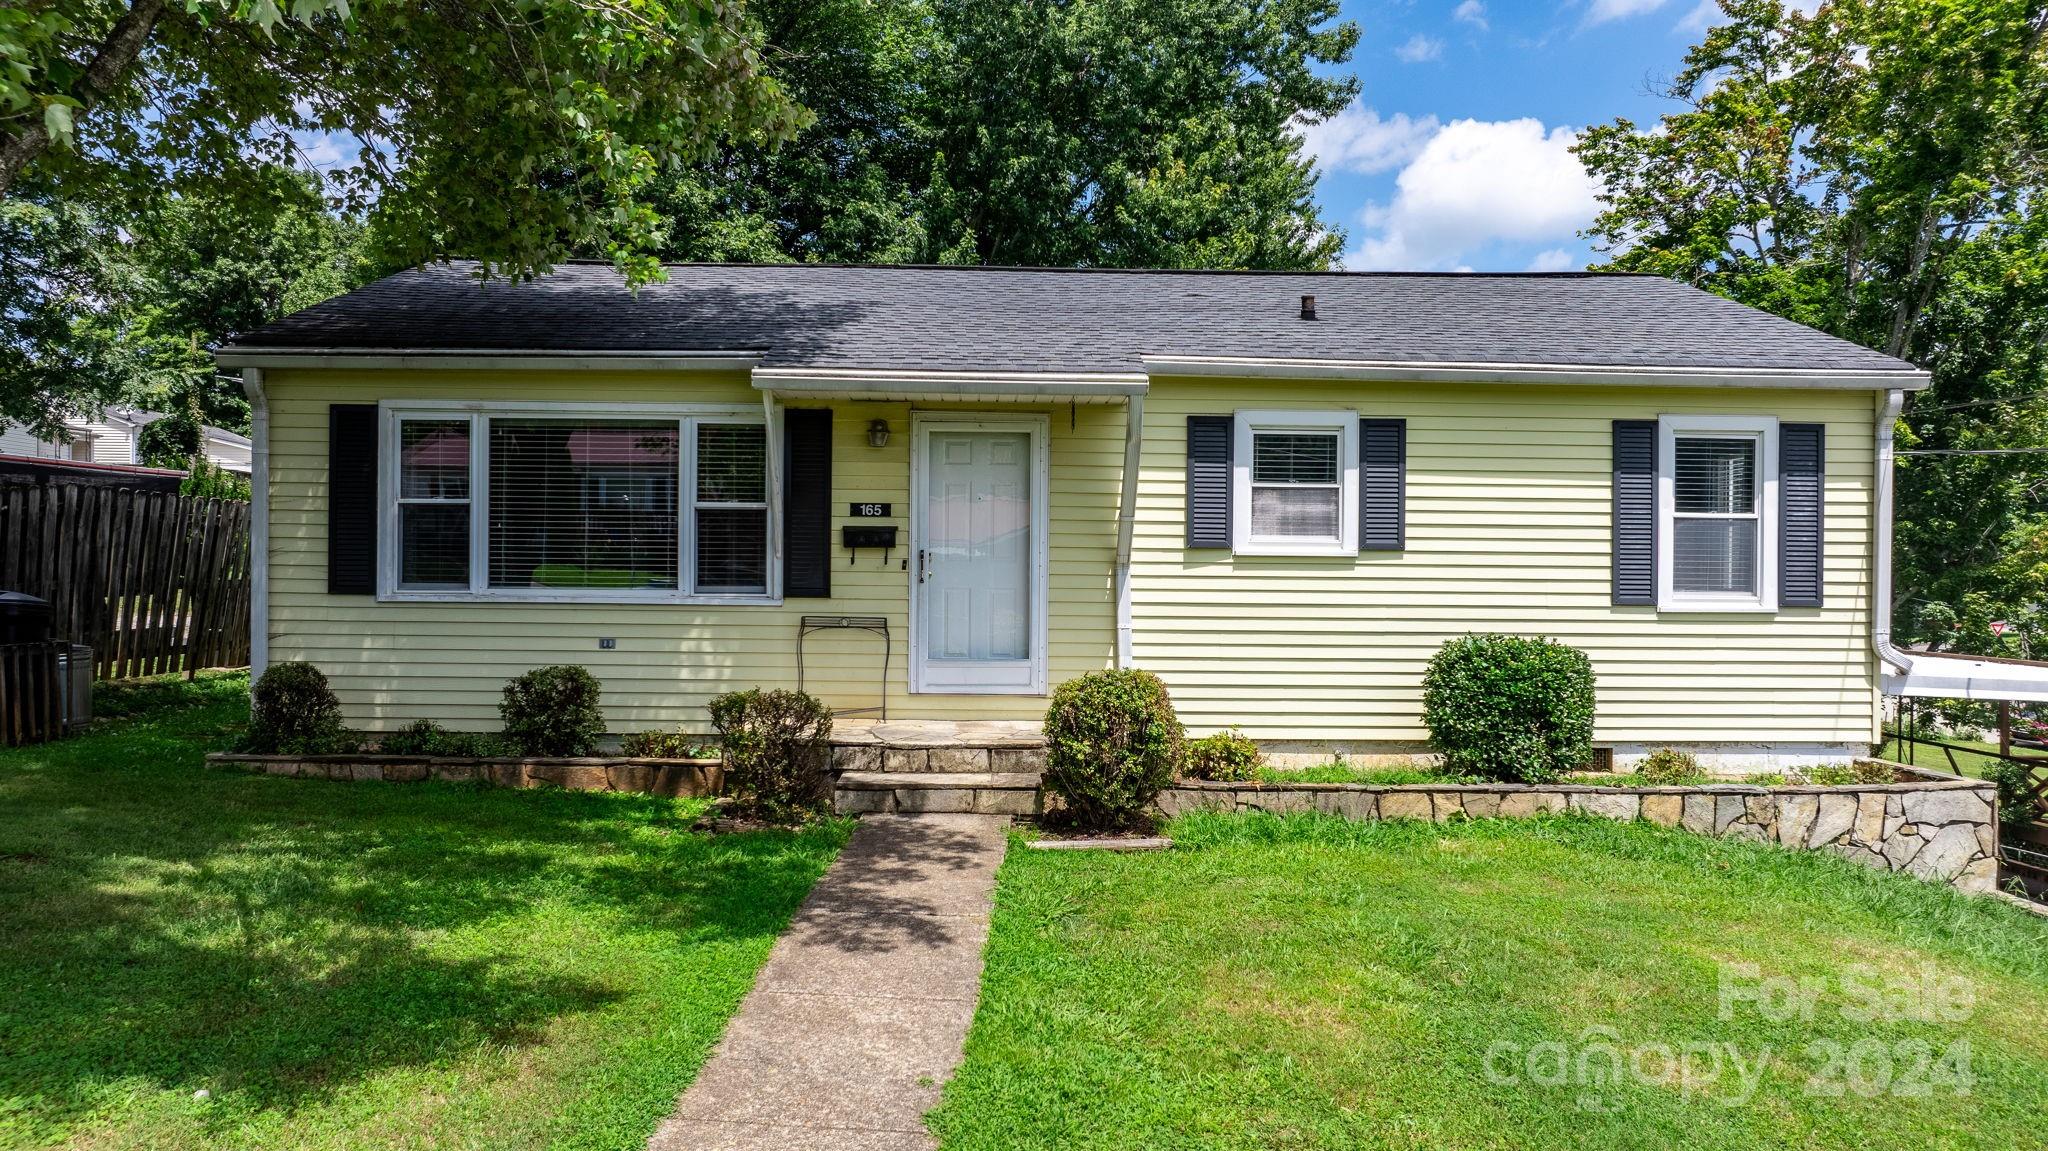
column 519, row 504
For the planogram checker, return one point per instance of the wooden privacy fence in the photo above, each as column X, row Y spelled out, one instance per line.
column 31, row 699
column 155, row 582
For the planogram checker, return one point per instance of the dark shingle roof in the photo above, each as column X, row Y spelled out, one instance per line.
column 1055, row 320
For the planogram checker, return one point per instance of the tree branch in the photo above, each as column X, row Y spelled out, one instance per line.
column 117, row 53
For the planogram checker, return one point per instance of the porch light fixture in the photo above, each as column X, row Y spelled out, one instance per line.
column 878, row 433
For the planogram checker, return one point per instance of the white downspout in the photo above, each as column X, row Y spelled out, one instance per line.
column 1881, row 558
column 259, row 521
column 1126, row 523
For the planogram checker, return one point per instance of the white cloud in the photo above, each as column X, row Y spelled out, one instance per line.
column 1474, row 13
column 1703, row 16
column 1420, row 48
column 1357, row 140
column 1474, row 183
column 1553, row 260
column 1601, row 11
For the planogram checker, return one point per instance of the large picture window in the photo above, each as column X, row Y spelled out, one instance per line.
column 1717, row 486
column 538, row 505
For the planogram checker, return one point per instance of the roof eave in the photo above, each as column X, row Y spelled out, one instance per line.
column 1905, row 379
column 512, row 359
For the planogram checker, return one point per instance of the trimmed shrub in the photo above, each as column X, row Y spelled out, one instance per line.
column 655, row 743
column 1229, row 756
column 1666, row 766
column 553, row 711
column 1510, row 708
column 425, row 737
column 775, row 751
column 1112, row 743
column 292, row 711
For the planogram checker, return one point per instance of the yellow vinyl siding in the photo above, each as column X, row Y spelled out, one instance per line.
column 392, row 662
column 1508, row 505
column 1509, row 496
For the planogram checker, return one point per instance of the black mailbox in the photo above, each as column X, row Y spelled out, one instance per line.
column 855, row 537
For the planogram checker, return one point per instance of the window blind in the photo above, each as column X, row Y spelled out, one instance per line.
column 583, row 504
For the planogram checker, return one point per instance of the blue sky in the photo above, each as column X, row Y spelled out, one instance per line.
column 1455, row 154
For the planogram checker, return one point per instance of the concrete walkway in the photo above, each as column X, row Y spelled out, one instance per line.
column 859, row 1015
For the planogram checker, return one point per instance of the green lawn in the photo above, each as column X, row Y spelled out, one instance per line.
column 1306, row 983
column 355, row 965
column 1936, row 759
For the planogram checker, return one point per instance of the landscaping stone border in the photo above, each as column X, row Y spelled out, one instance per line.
column 1939, row 828
column 667, row 777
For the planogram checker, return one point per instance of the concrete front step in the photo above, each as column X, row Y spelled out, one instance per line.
column 954, row 759
column 980, row 792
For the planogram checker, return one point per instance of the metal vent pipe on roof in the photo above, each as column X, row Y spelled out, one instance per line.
column 1308, row 307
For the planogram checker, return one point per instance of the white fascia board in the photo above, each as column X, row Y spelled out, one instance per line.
column 496, row 359
column 1508, row 373
column 1960, row 677
column 883, row 382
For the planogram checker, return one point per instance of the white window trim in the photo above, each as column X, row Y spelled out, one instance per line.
column 1762, row 429
column 478, row 413
column 1249, row 422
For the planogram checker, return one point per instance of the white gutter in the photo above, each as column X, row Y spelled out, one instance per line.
column 494, row 359
column 849, row 383
column 1126, row 523
column 1253, row 367
column 1936, row 675
column 259, row 522
column 1881, row 538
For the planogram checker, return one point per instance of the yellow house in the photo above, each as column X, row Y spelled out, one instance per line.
column 940, row 491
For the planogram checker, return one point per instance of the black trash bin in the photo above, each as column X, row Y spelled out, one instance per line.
column 23, row 618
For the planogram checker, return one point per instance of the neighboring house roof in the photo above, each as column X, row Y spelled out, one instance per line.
column 1065, row 321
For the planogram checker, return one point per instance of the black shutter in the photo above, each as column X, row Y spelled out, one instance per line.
column 807, row 503
column 1382, row 485
column 1635, row 512
column 352, row 499
column 1209, row 481
column 1802, row 470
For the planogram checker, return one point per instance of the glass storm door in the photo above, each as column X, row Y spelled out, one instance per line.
column 976, row 591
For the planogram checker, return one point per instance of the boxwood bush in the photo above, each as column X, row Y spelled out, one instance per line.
column 1510, row 708
column 776, row 751
column 1112, row 743
column 553, row 711
column 1229, row 756
column 292, row 711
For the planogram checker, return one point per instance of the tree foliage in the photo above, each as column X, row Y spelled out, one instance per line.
column 1097, row 132
column 1871, row 170
column 514, row 131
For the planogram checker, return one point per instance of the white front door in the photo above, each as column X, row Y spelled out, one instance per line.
column 978, row 530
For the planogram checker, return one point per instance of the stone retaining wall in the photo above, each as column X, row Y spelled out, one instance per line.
column 669, row 777
column 1943, row 830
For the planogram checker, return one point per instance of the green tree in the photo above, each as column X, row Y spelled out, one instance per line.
column 1871, row 170
column 1097, row 132
column 509, row 130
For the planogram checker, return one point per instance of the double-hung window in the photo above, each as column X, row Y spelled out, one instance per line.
column 1716, row 502
column 518, row 504
column 1296, row 488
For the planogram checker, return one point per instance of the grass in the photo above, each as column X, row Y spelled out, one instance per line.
column 1392, row 775
column 1304, row 983
column 348, row 965
column 1936, row 759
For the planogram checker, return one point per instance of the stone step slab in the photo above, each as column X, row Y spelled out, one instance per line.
column 982, row 793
